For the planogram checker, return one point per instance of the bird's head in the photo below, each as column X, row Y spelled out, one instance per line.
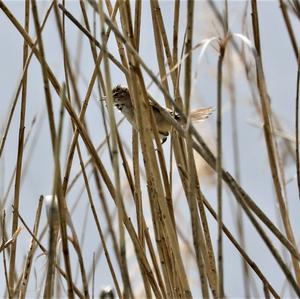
column 121, row 97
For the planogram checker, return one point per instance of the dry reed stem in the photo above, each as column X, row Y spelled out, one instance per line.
column 137, row 185
column 29, row 257
column 3, row 254
column 209, row 256
column 289, row 27
column 165, row 43
column 175, row 32
column 6, row 244
column 69, row 74
column 137, row 23
column 208, row 252
column 160, row 58
column 107, row 215
column 237, row 166
column 297, row 127
column 12, row 261
column 93, row 279
column 99, row 251
column 102, row 238
column 198, row 238
column 11, row 180
column 115, row 162
column 168, row 265
column 137, row 193
column 188, row 61
column 219, row 164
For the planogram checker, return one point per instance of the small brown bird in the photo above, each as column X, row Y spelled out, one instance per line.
column 122, row 102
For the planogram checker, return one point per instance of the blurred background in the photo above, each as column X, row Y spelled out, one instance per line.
column 244, row 147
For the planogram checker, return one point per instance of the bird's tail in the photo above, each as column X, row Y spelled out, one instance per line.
column 201, row 114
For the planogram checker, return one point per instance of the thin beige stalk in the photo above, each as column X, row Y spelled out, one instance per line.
column 2, row 248
column 127, row 290
column 108, row 218
column 237, row 166
column 289, row 27
column 297, row 127
column 209, row 257
column 12, row 261
column 137, row 23
column 31, row 251
column 219, row 169
column 175, row 32
column 25, row 167
column 7, row 244
column 93, row 279
column 160, row 58
column 202, row 240
column 198, row 238
column 137, row 194
column 102, row 238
